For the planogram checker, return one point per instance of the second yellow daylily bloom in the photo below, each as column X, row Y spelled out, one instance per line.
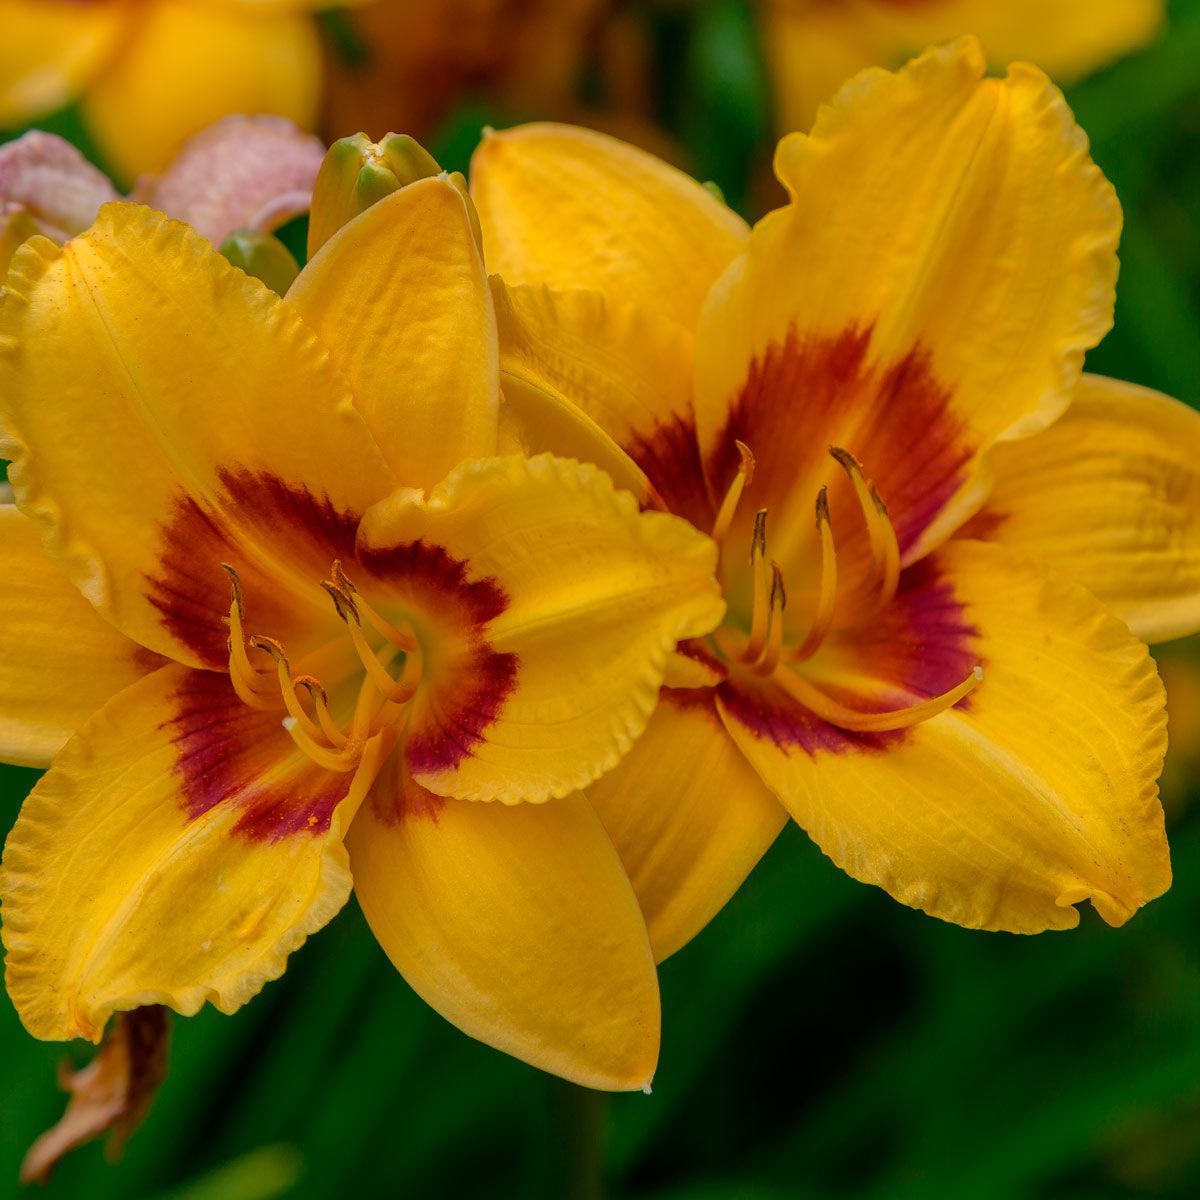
column 336, row 639
column 835, row 394
column 150, row 73
column 814, row 46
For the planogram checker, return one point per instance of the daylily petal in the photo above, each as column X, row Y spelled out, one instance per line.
column 814, row 48
column 688, row 816
column 241, row 173
column 16, row 226
column 1109, row 495
column 948, row 254
column 1035, row 793
column 575, row 208
column 629, row 370
column 178, row 851
column 187, row 65
column 216, row 432
column 59, row 660
column 49, row 52
column 535, row 420
column 53, row 182
column 517, row 924
column 400, row 298
column 557, row 604
column 1067, row 39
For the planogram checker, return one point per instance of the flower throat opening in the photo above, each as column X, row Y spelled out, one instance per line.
column 381, row 707
column 763, row 652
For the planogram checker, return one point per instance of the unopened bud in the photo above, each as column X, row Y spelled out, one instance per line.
column 357, row 173
column 263, row 256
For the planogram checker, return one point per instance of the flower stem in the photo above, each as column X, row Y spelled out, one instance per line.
column 578, row 1140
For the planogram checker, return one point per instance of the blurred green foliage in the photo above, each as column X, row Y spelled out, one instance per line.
column 819, row 1040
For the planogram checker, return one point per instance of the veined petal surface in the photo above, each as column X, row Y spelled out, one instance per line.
column 571, row 207
column 628, row 370
column 1036, row 792
column 400, row 298
column 558, row 599
column 51, row 52
column 186, row 65
column 536, row 419
column 1109, row 495
column 169, row 414
column 517, row 924
column 59, row 659
column 177, row 851
column 948, row 254
column 688, row 816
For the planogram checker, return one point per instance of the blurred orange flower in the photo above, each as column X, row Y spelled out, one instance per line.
column 148, row 75
column 411, row 63
column 813, row 46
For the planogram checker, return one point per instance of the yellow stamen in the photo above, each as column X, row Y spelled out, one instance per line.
column 375, row 753
column 332, row 760
column 321, row 705
column 391, row 689
column 287, row 686
column 885, row 551
column 377, row 673
column 891, row 553
column 247, row 681
column 871, row 722
column 827, row 593
column 774, row 651
column 745, row 473
column 762, row 601
column 405, row 639
column 365, row 708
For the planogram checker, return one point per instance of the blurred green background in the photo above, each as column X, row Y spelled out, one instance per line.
column 819, row 1040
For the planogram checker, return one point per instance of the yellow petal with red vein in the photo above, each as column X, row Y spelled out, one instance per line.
column 400, row 298
column 186, row 65
column 548, row 606
column 574, row 208
column 50, row 52
column 688, row 816
column 177, row 852
column 59, row 660
column 1037, row 792
column 625, row 367
column 1110, row 495
column 948, row 254
column 517, row 924
column 196, row 420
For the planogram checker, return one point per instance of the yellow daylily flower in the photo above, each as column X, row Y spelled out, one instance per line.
column 149, row 73
column 835, row 394
column 335, row 637
column 813, row 46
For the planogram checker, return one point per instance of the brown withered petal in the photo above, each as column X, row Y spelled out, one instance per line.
column 112, row 1094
